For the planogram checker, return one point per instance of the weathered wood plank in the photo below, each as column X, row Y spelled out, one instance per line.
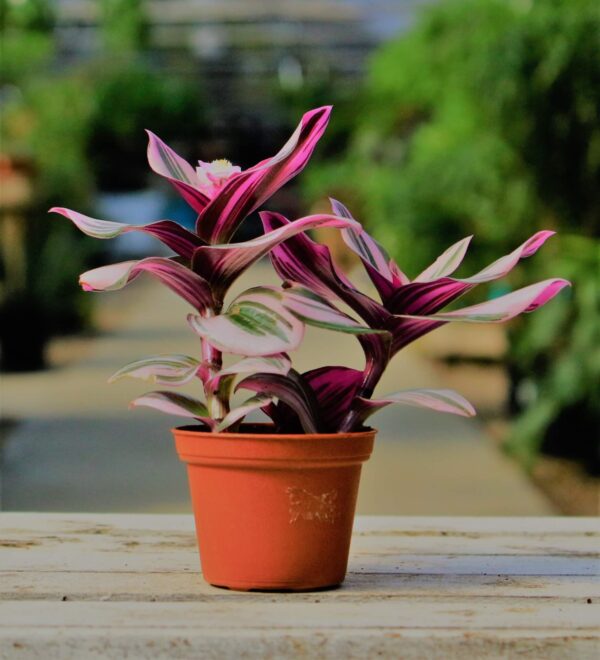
column 169, row 586
column 270, row 613
column 319, row 644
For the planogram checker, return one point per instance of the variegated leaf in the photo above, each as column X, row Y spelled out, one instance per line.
column 222, row 264
column 235, row 415
column 504, row 307
column 319, row 312
column 187, row 284
column 174, row 403
column 439, row 400
column 446, row 263
column 245, row 192
column 174, row 236
column 255, row 324
column 290, row 390
column 164, row 161
column 161, row 369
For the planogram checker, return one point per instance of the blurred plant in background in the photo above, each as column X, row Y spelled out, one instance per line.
column 63, row 123
column 484, row 119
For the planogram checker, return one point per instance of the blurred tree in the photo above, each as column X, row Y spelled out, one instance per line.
column 484, row 119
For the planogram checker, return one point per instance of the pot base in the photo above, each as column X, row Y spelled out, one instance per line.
column 270, row 587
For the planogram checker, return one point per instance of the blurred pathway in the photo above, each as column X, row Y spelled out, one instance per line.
column 78, row 448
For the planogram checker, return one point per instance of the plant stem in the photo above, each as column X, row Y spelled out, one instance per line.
column 213, row 359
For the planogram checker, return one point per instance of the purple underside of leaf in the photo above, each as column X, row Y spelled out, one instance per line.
column 222, row 264
column 299, row 259
column 246, row 191
column 185, row 283
column 334, row 389
column 290, row 390
column 164, row 161
column 173, row 235
column 439, row 400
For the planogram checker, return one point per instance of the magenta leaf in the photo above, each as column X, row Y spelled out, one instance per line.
column 299, row 259
column 426, row 298
column 191, row 287
column 174, row 236
column 407, row 328
column 291, row 391
column 334, row 389
column 164, row 161
column 222, row 264
column 439, row 400
column 245, row 192
column 382, row 270
column 505, row 307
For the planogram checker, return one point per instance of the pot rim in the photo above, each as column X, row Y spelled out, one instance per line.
column 198, row 429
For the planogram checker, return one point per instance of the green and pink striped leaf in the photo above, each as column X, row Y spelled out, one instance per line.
column 245, row 192
column 439, row 400
column 255, row 324
column 174, row 236
column 161, row 369
column 187, row 284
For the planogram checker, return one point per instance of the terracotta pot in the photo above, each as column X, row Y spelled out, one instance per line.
column 273, row 512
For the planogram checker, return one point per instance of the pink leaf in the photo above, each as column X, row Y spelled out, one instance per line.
column 299, row 259
column 170, row 233
column 222, row 264
column 190, row 286
column 439, row 400
column 164, row 161
column 245, row 192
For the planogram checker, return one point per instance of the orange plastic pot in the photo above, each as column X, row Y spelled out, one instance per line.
column 273, row 512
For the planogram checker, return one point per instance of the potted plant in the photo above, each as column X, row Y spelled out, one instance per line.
column 274, row 503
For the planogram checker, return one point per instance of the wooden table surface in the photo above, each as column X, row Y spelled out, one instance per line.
column 115, row 586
